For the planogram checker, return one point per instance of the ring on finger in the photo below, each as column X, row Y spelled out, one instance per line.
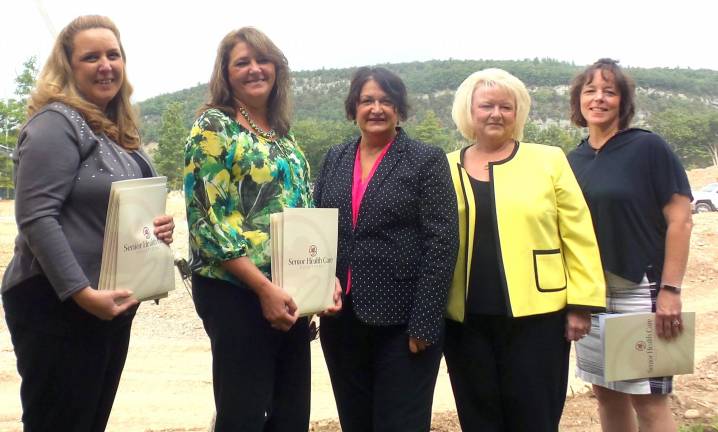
column 676, row 323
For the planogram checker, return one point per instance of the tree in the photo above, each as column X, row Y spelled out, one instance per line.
column 316, row 137
column 25, row 82
column 319, row 95
column 531, row 130
column 12, row 111
column 693, row 134
column 12, row 116
column 713, row 137
column 431, row 131
column 169, row 155
column 554, row 135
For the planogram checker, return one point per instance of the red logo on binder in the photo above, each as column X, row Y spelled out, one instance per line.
column 313, row 250
column 640, row 345
column 146, row 232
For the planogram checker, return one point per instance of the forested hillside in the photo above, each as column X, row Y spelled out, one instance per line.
column 680, row 104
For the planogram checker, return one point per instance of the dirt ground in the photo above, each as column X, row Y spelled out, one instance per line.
column 167, row 382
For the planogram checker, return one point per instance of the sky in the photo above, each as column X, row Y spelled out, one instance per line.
column 170, row 45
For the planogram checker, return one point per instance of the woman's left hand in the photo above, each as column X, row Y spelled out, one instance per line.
column 417, row 345
column 668, row 314
column 164, row 227
column 332, row 310
column 578, row 324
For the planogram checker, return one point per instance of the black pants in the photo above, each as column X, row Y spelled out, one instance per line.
column 70, row 361
column 261, row 376
column 508, row 374
column 379, row 385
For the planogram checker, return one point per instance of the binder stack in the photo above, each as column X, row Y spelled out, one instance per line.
column 304, row 256
column 132, row 257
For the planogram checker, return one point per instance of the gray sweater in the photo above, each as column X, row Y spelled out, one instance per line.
column 63, row 173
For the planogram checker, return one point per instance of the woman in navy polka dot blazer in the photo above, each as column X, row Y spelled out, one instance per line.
column 397, row 249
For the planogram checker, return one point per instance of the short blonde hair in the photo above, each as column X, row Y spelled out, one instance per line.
column 56, row 83
column 461, row 111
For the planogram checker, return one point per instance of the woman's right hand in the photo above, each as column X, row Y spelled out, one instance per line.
column 278, row 307
column 105, row 305
column 337, row 306
column 164, row 228
column 668, row 314
column 578, row 324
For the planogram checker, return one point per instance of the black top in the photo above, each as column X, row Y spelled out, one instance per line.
column 626, row 185
column 144, row 166
column 486, row 296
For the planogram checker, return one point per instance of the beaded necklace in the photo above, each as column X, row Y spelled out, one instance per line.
column 271, row 134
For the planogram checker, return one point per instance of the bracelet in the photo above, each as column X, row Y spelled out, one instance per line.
column 673, row 289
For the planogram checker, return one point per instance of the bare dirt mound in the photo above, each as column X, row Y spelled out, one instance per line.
column 702, row 176
column 694, row 403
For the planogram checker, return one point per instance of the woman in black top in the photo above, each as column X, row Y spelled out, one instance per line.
column 639, row 198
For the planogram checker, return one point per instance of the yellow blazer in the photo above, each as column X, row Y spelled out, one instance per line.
column 548, row 255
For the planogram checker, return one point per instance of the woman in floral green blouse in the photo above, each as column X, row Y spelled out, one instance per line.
column 241, row 165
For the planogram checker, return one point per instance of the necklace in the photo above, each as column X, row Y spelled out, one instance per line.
column 271, row 134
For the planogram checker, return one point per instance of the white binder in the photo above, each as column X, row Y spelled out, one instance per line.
column 633, row 349
column 132, row 257
column 304, row 256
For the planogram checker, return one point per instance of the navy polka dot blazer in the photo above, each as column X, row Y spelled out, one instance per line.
column 403, row 250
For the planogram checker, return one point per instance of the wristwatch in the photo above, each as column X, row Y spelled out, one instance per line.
column 671, row 288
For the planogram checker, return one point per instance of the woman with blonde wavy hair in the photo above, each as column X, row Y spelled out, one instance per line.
column 70, row 339
column 56, row 83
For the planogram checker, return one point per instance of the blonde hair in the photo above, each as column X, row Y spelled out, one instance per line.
column 221, row 96
column 56, row 83
column 461, row 111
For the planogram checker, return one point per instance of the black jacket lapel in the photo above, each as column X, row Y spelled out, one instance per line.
column 385, row 168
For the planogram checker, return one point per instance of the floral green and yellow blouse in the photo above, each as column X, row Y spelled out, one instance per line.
column 233, row 181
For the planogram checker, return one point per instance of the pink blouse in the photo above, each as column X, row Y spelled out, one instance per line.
column 358, row 189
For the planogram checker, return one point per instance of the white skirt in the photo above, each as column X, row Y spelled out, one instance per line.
column 622, row 296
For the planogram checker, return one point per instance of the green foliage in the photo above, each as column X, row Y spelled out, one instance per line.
column 710, row 427
column 431, row 131
column 552, row 134
column 693, row 134
column 12, row 116
column 25, row 82
column 319, row 104
column 169, row 155
column 151, row 110
column 12, row 111
column 316, row 137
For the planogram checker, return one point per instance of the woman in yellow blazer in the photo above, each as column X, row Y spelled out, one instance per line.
column 528, row 272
